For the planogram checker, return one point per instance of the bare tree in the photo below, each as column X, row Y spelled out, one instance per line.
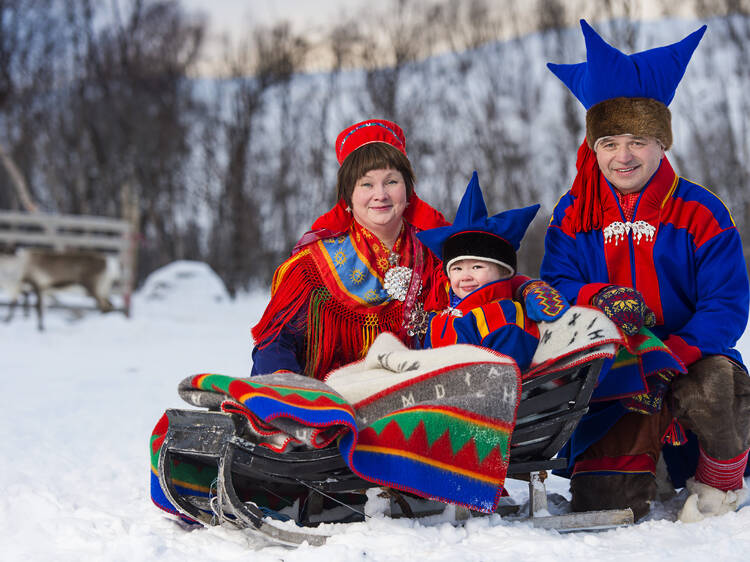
column 96, row 100
column 29, row 35
column 125, row 117
column 716, row 151
column 17, row 180
column 260, row 69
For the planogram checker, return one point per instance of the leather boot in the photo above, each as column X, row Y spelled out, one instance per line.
column 593, row 492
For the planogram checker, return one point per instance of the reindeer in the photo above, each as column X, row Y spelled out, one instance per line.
column 43, row 269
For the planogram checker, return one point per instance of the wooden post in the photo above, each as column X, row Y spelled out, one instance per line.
column 131, row 213
column 537, row 494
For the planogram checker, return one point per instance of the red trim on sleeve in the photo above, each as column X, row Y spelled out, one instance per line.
column 531, row 328
column 442, row 332
column 588, row 291
column 689, row 354
column 516, row 282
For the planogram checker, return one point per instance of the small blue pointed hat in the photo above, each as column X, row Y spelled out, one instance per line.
column 474, row 235
column 647, row 80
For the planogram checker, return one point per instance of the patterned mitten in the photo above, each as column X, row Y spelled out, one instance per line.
column 625, row 307
column 543, row 303
column 650, row 402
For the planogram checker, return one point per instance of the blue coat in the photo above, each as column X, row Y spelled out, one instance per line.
column 692, row 272
column 688, row 263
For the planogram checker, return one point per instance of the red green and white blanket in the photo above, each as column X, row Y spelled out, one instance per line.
column 436, row 423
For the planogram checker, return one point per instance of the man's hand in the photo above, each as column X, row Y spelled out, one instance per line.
column 543, row 303
column 625, row 307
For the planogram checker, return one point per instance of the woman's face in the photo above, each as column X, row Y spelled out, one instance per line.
column 379, row 201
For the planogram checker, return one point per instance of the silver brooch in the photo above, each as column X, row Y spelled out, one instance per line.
column 618, row 230
column 396, row 282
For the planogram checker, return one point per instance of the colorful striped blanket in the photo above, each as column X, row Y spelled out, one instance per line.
column 642, row 355
column 436, row 423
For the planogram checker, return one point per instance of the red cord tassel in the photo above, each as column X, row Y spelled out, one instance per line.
column 675, row 434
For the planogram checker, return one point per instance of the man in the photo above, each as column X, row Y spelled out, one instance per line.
column 650, row 248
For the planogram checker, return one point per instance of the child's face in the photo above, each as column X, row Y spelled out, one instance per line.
column 468, row 275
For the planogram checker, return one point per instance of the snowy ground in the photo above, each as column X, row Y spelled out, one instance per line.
column 80, row 401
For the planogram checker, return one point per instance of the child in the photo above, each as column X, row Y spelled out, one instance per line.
column 484, row 295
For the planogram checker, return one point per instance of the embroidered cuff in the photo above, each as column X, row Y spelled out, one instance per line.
column 587, row 292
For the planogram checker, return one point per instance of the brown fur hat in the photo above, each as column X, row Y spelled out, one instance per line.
column 634, row 116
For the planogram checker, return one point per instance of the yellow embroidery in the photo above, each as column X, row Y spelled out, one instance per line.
column 339, row 257
column 371, row 296
column 357, row 276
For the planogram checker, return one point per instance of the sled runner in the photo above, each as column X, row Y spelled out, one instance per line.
column 284, row 495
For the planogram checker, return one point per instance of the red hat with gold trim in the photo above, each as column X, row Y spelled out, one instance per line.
column 365, row 132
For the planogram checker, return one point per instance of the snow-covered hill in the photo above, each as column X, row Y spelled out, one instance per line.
column 80, row 401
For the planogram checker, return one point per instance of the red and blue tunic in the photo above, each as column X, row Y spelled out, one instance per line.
column 681, row 250
column 489, row 317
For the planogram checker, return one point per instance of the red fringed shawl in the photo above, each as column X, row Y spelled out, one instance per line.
column 341, row 325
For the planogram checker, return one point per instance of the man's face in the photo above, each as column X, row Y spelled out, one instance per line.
column 627, row 161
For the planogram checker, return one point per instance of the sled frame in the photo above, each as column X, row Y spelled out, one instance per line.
column 552, row 403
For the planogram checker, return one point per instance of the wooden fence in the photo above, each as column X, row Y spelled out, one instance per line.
column 103, row 235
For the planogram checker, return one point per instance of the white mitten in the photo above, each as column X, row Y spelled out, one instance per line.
column 707, row 501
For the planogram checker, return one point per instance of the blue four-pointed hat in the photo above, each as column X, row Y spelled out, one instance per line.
column 475, row 235
column 609, row 73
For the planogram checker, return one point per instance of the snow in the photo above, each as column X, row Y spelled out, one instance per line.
column 80, row 401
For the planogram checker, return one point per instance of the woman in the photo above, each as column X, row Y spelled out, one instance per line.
column 360, row 270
